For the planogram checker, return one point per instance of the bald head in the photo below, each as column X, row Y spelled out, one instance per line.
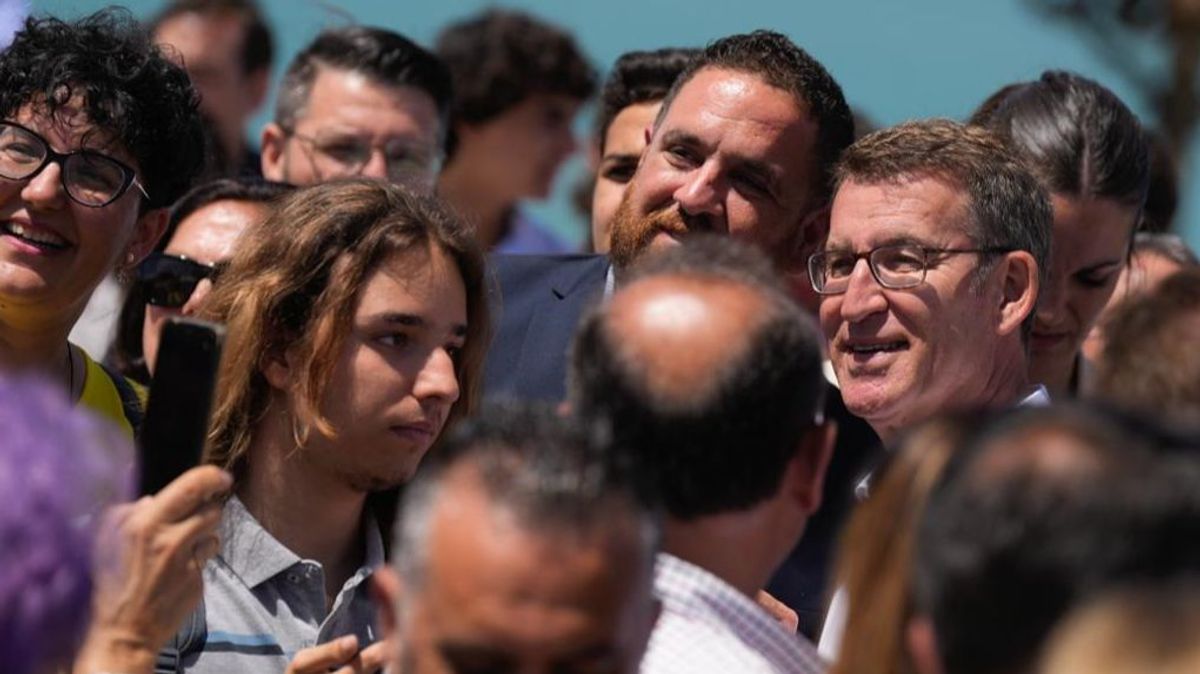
column 672, row 327
column 707, row 372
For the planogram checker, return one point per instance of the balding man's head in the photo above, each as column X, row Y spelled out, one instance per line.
column 708, row 373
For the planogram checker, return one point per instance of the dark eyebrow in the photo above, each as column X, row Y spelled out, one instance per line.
column 680, row 137
column 415, row 321
column 894, row 240
column 1105, row 263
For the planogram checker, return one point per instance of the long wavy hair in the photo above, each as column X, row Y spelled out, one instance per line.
column 293, row 287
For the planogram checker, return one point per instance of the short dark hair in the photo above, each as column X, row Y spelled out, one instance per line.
column 499, row 58
column 258, row 47
column 1007, row 208
column 127, row 89
column 1078, row 138
column 1009, row 544
column 1164, row 323
column 783, row 65
column 726, row 447
column 553, row 472
column 125, row 353
column 639, row 77
column 388, row 58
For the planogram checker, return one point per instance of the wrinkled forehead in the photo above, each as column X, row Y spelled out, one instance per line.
column 921, row 209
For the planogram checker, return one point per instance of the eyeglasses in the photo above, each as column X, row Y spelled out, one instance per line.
column 169, row 280
column 895, row 267
column 349, row 156
column 89, row 177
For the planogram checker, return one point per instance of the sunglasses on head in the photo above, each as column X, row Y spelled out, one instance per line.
column 168, row 280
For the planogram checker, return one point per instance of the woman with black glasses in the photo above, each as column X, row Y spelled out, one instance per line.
column 98, row 135
column 201, row 233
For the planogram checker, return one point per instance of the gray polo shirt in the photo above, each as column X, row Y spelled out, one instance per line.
column 263, row 603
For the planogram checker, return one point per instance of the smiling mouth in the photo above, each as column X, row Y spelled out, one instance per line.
column 871, row 349
column 35, row 237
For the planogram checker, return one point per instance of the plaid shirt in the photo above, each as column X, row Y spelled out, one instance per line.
column 708, row 626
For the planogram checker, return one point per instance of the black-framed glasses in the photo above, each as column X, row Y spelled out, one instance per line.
column 90, row 178
column 169, row 280
column 350, row 154
column 896, row 267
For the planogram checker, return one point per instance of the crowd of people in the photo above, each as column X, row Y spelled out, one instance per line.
column 919, row 400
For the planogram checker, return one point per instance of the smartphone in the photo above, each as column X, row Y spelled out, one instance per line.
column 176, row 423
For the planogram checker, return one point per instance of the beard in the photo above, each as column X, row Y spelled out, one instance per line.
column 632, row 233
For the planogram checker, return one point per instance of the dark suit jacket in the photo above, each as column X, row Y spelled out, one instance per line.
column 537, row 302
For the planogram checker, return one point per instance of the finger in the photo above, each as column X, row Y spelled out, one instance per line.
column 189, row 492
column 320, row 659
column 374, row 657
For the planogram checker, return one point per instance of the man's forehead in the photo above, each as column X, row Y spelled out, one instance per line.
column 921, row 209
column 712, row 87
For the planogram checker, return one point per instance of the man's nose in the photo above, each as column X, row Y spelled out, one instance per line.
column 437, row 379
column 864, row 296
column 376, row 166
column 701, row 192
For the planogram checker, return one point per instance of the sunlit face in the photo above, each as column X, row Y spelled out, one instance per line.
column 732, row 155
column 502, row 599
column 520, row 150
column 624, row 141
column 54, row 251
column 394, row 382
column 1091, row 242
column 210, row 46
column 903, row 356
column 206, row 236
column 346, row 111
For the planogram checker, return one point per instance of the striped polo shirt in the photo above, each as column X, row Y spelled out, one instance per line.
column 263, row 603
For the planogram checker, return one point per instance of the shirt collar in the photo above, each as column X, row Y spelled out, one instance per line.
column 256, row 556
column 689, row 589
column 252, row 553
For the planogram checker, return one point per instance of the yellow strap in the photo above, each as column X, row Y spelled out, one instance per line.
column 100, row 394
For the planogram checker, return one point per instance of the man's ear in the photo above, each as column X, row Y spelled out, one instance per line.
column 386, row 591
column 273, row 145
column 921, row 640
column 147, row 231
column 804, row 477
column 811, row 232
column 1018, row 298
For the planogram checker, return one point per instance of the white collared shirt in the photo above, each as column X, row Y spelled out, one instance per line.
column 708, row 627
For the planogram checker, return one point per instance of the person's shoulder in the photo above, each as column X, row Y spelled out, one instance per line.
column 563, row 273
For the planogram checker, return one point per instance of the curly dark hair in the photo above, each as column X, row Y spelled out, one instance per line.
column 499, row 58
column 126, row 85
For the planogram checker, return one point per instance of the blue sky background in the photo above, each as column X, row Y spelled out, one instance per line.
column 895, row 59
